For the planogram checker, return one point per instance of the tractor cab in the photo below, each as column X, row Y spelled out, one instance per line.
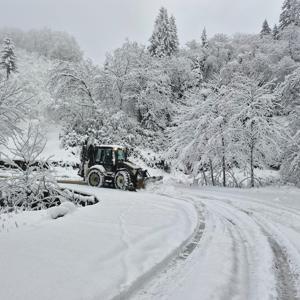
column 109, row 156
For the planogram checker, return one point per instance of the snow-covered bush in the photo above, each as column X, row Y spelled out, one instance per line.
column 31, row 186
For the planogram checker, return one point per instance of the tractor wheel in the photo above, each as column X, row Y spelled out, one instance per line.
column 122, row 180
column 95, row 178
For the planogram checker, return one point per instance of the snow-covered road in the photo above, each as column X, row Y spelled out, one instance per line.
column 171, row 243
column 249, row 249
column 97, row 252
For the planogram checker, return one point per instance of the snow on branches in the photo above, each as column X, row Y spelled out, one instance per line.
column 230, row 125
column 14, row 102
column 30, row 184
column 290, row 97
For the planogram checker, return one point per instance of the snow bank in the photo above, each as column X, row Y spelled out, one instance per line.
column 61, row 210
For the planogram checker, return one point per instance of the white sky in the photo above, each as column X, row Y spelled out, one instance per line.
column 102, row 25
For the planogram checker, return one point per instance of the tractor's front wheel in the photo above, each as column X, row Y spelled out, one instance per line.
column 123, row 181
column 95, row 178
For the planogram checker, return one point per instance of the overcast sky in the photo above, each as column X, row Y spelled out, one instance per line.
column 102, row 25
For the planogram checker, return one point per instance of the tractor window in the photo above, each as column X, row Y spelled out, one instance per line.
column 107, row 157
column 121, row 155
column 104, row 156
column 99, row 155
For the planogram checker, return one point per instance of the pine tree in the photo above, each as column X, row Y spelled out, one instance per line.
column 164, row 40
column 174, row 36
column 290, row 14
column 266, row 30
column 275, row 32
column 204, row 38
column 8, row 58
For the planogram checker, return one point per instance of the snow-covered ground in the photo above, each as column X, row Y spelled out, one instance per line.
column 249, row 248
column 171, row 243
column 97, row 252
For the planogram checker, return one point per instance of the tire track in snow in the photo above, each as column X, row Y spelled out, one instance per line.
column 126, row 241
column 286, row 255
column 256, row 205
column 239, row 277
column 153, row 288
column 263, row 262
column 247, row 279
column 287, row 281
column 173, row 274
column 286, row 261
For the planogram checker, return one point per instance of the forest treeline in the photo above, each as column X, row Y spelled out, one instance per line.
column 212, row 108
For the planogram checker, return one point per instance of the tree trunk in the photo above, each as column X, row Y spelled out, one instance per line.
column 251, row 166
column 212, row 173
column 204, row 176
column 223, row 163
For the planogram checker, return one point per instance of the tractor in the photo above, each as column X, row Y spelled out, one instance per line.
column 108, row 165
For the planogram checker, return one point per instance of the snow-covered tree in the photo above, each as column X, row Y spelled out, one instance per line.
column 13, row 107
column 152, row 111
column 174, row 42
column 124, row 71
column 201, row 140
column 73, row 85
column 275, row 32
column 179, row 71
column 266, row 30
column 290, row 14
column 290, row 95
column 204, row 40
column 257, row 134
column 291, row 37
column 8, row 57
column 164, row 40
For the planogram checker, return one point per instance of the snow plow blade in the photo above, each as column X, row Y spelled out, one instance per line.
column 141, row 184
column 152, row 179
column 71, row 181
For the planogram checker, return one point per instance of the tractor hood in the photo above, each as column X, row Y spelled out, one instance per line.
column 131, row 165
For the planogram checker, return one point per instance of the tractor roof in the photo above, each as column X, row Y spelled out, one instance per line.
column 111, row 146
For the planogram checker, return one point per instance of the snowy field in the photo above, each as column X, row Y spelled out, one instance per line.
column 171, row 243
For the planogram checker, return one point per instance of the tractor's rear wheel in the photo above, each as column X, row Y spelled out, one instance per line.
column 123, row 181
column 95, row 178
